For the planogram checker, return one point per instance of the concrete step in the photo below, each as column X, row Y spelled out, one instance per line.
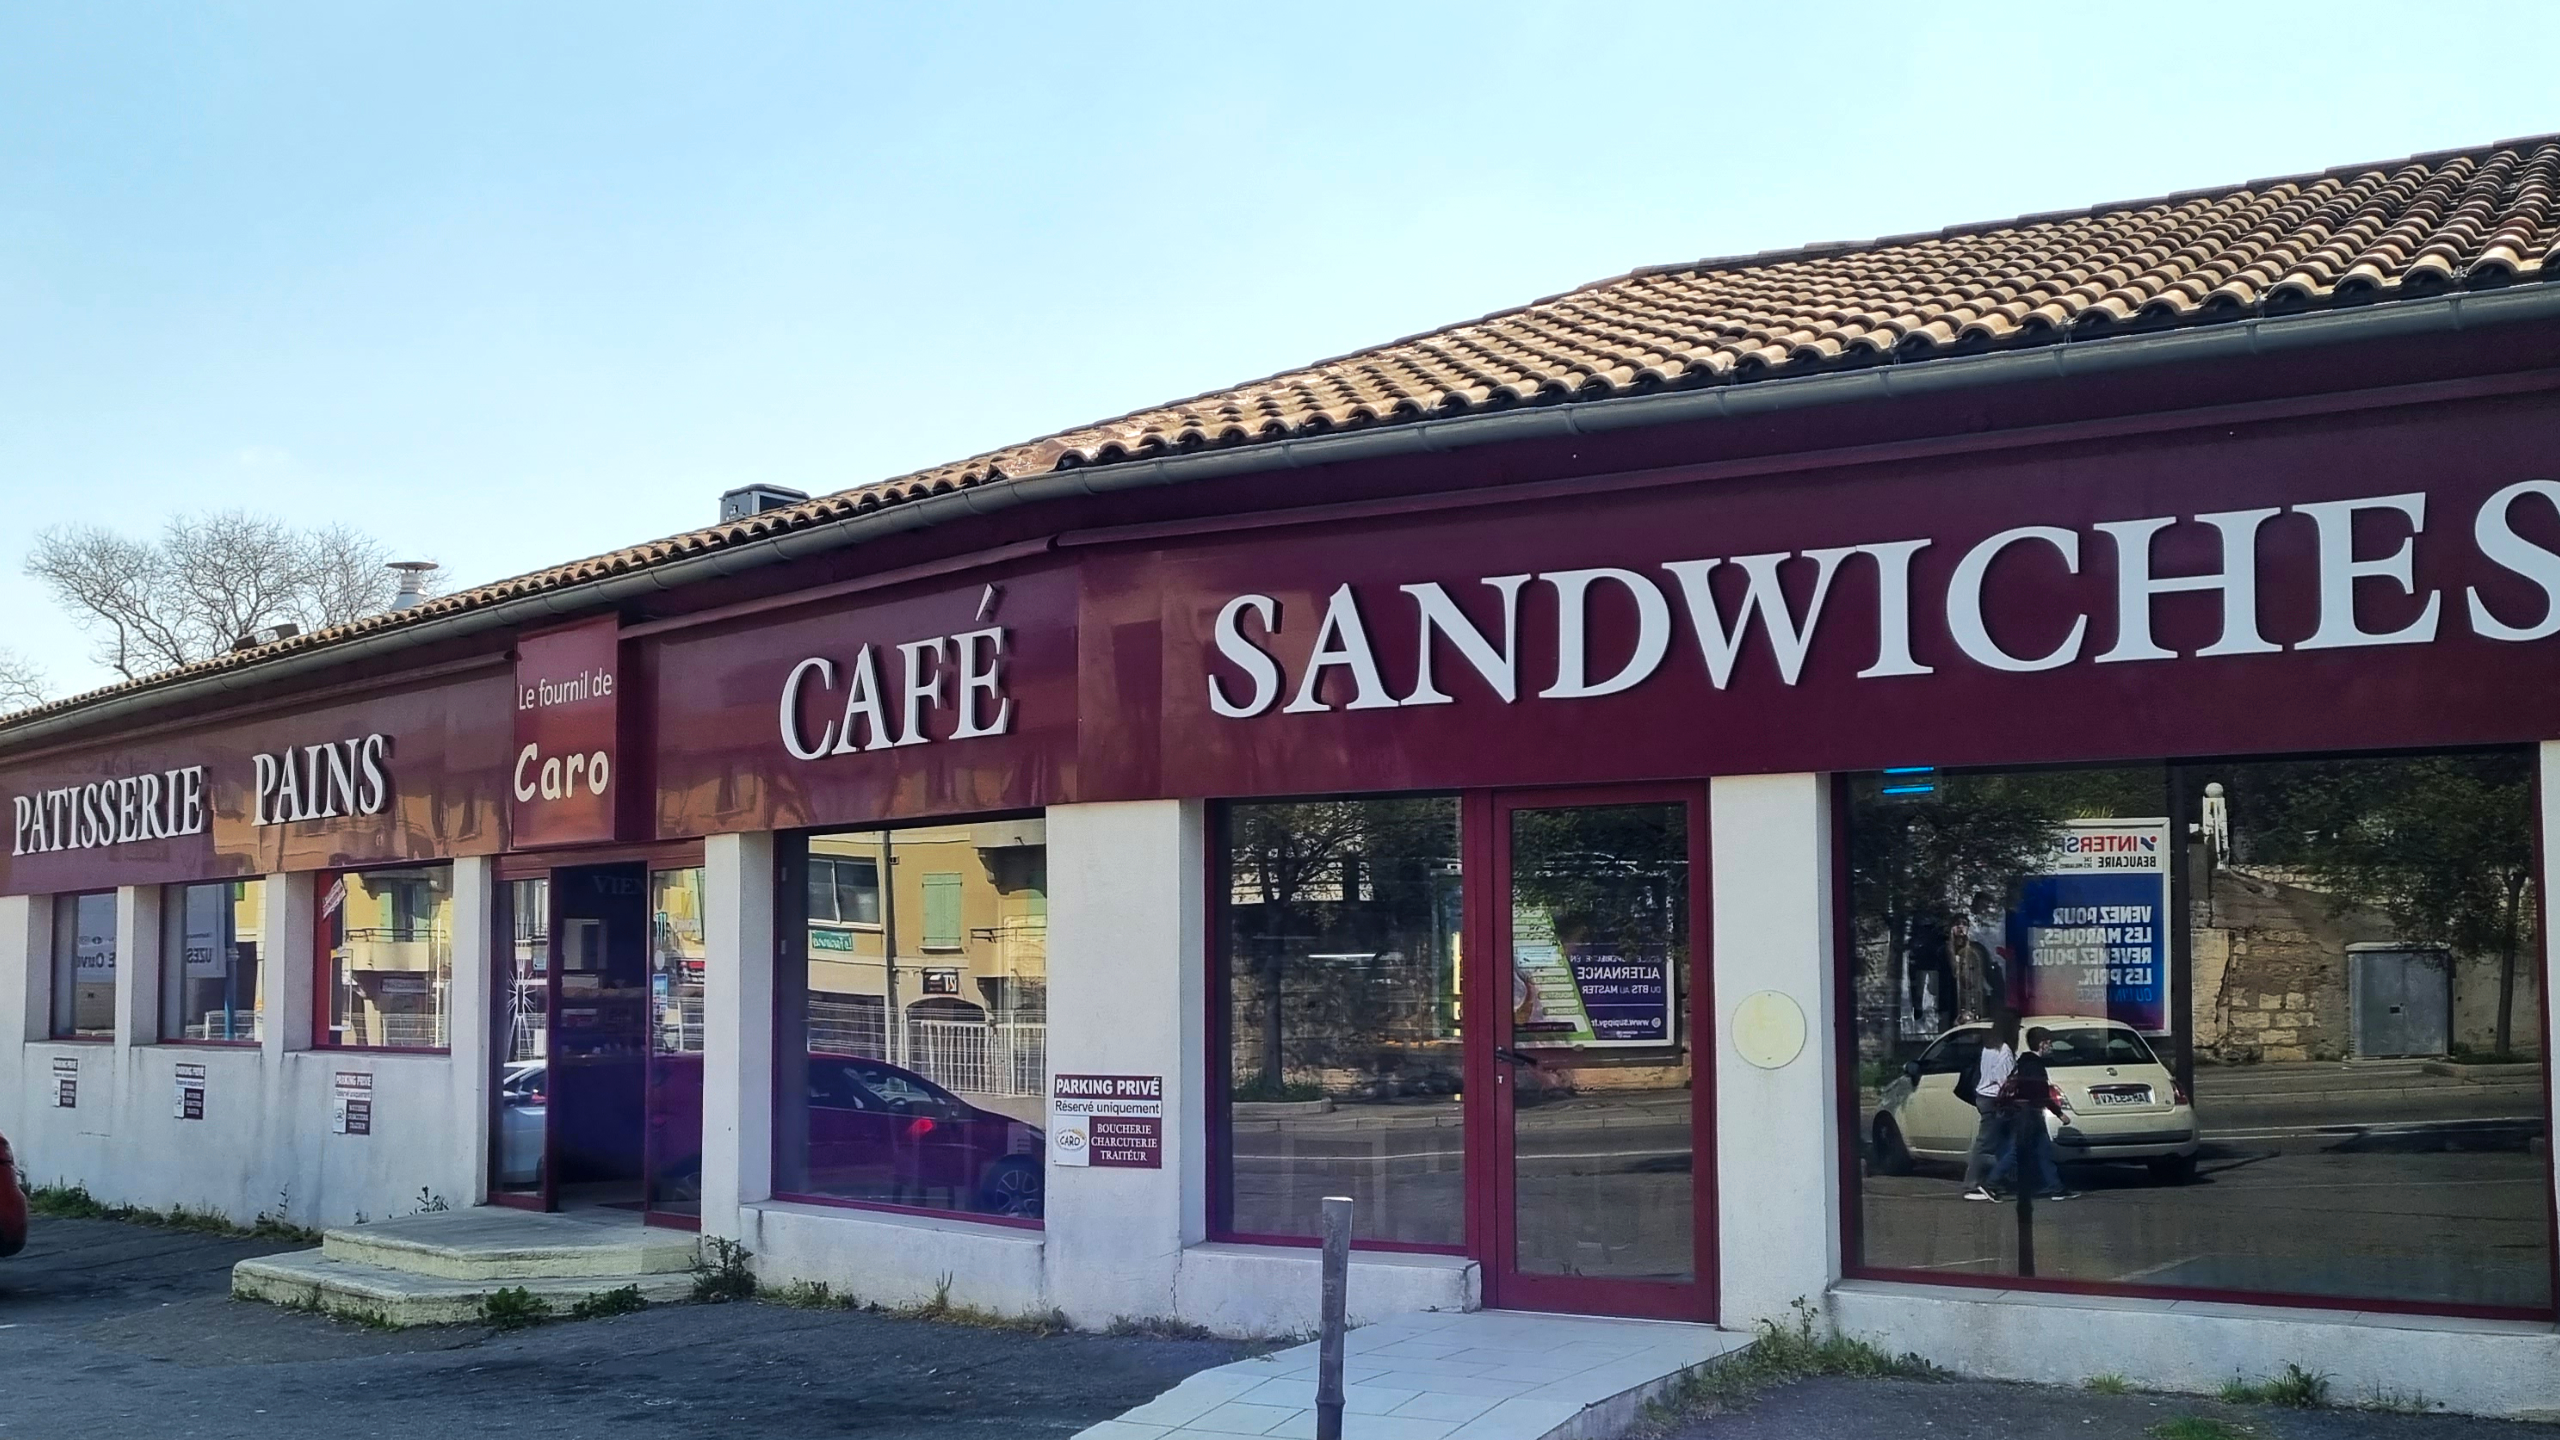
column 403, row 1297
column 513, row 1246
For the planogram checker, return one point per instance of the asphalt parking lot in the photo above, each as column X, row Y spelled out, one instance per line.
column 110, row 1330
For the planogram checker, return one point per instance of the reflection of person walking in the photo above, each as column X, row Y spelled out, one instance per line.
column 1999, row 1058
column 2024, row 1102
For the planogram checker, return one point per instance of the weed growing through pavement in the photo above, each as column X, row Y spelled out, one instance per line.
column 624, row 1301
column 1155, row 1327
column 809, row 1295
column 74, row 1202
column 513, row 1308
column 722, row 1273
column 943, row 1310
column 2295, row 1389
column 2110, row 1384
column 1780, row 1353
column 313, row 1304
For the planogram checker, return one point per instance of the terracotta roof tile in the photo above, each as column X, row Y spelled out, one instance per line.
column 2352, row 235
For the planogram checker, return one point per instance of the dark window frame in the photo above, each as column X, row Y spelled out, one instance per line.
column 1217, row 1074
column 791, row 922
column 62, row 993
column 1849, row 1123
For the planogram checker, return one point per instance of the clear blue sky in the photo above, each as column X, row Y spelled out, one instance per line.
column 512, row 284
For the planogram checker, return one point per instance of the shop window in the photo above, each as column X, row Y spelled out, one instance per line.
column 2287, row 1014
column 387, row 958
column 212, row 943
column 1337, row 1016
column 915, row 1071
column 84, row 966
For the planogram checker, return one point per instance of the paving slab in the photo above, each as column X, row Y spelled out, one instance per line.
column 1478, row 1375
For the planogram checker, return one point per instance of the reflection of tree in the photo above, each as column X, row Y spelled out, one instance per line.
column 1336, row 925
column 2441, row 844
column 1916, row 862
column 1617, row 873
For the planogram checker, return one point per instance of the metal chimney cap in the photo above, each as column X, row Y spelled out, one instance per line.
column 413, row 581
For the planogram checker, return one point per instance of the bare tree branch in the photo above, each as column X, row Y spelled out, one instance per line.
column 22, row 683
column 207, row 581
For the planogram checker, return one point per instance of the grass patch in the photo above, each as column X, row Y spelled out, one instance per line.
column 1153, row 1327
column 943, row 1310
column 513, row 1308
column 722, row 1274
column 625, row 1301
column 2198, row 1427
column 74, row 1202
column 1781, row 1353
column 2295, row 1389
column 312, row 1304
column 808, row 1295
column 2109, row 1384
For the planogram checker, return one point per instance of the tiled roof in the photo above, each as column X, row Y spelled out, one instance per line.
column 2405, row 228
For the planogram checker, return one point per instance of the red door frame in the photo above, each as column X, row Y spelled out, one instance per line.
column 546, row 1194
column 1491, row 1225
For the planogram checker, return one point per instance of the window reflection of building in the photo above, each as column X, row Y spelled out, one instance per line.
column 961, row 997
column 211, row 950
column 2282, row 956
column 1339, row 956
column 84, row 966
column 677, row 959
column 390, row 935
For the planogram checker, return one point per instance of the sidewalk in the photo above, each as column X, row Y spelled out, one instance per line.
column 1834, row 1409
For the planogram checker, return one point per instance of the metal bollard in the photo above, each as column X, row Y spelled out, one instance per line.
column 1337, row 1287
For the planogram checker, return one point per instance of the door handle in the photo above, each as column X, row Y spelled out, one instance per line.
column 1515, row 1057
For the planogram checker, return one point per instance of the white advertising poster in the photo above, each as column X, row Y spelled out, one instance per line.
column 190, row 1088
column 1107, row 1121
column 353, row 1111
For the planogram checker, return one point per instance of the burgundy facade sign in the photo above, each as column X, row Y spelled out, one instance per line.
column 410, row 775
column 944, row 702
column 2366, row 579
column 2387, row 578
column 567, row 782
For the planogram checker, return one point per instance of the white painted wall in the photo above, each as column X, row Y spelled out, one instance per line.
column 1777, row 1153
column 265, row 1144
column 737, row 1039
column 2486, row 1367
column 1127, row 996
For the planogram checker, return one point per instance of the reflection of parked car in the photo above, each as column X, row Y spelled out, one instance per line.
column 880, row 1132
column 13, row 1204
column 2124, row 1103
column 524, row 1103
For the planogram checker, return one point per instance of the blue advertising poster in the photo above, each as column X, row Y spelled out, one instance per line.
column 1626, row 997
column 2091, row 927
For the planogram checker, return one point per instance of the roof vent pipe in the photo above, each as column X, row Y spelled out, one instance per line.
column 413, row 581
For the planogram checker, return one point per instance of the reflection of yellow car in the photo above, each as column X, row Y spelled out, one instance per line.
column 2123, row 1103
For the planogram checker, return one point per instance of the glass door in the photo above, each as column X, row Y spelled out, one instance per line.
column 1601, row 1113
column 523, row 999
column 672, row 1165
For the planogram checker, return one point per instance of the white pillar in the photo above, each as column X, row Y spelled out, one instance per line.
column 1776, row 1059
column 2548, row 777
column 469, row 1017
column 137, row 966
column 1127, row 996
column 26, row 966
column 26, row 1001
column 286, row 954
column 737, row 1029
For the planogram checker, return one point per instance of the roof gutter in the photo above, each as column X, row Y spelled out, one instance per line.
column 2070, row 359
